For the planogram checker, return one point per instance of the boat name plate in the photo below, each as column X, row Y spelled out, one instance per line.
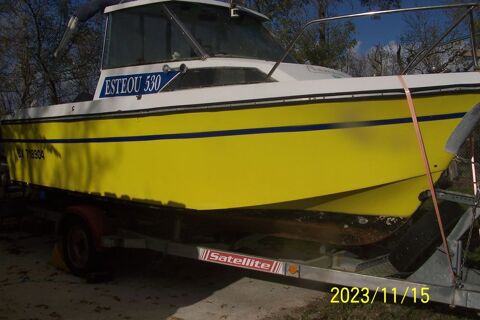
column 136, row 84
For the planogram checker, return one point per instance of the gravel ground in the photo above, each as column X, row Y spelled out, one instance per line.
column 145, row 286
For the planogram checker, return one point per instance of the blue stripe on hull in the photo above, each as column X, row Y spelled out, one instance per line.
column 239, row 132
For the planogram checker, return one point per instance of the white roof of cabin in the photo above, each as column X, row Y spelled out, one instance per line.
column 137, row 3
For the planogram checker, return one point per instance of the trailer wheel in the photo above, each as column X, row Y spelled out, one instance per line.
column 78, row 247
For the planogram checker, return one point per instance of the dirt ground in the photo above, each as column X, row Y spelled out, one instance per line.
column 145, row 286
column 151, row 286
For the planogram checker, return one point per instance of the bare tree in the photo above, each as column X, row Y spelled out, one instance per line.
column 30, row 30
column 422, row 32
column 384, row 60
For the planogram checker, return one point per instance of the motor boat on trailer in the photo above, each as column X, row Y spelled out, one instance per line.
column 187, row 114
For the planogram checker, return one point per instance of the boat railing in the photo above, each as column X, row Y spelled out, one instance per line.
column 469, row 8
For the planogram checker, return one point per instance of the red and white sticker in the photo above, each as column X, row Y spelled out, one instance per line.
column 241, row 261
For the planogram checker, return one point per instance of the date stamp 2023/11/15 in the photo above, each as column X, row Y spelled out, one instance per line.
column 357, row 295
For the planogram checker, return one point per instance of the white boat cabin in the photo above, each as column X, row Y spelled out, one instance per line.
column 157, row 45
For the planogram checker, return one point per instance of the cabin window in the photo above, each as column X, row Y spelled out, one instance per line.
column 143, row 35
column 211, row 77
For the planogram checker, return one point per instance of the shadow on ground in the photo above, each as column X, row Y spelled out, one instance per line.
column 146, row 285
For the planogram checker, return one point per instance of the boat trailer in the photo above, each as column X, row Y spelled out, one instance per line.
column 348, row 272
column 428, row 283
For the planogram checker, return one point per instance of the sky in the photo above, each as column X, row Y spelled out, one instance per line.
column 371, row 32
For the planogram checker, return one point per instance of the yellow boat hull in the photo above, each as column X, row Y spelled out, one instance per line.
column 356, row 156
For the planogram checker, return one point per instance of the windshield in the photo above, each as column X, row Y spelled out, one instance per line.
column 221, row 35
column 145, row 34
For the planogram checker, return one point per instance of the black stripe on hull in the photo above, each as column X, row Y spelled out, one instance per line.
column 240, row 132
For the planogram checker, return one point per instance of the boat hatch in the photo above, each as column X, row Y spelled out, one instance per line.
column 180, row 31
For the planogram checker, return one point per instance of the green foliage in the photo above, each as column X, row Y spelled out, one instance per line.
column 331, row 51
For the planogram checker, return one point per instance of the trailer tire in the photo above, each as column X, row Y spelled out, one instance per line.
column 78, row 247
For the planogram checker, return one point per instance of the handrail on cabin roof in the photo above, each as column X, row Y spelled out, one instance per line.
column 470, row 7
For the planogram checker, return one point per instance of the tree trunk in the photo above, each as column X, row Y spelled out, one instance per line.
column 322, row 13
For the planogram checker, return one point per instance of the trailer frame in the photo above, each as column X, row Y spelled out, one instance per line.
column 431, row 277
column 342, row 269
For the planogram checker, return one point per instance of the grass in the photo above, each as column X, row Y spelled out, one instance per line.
column 324, row 310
